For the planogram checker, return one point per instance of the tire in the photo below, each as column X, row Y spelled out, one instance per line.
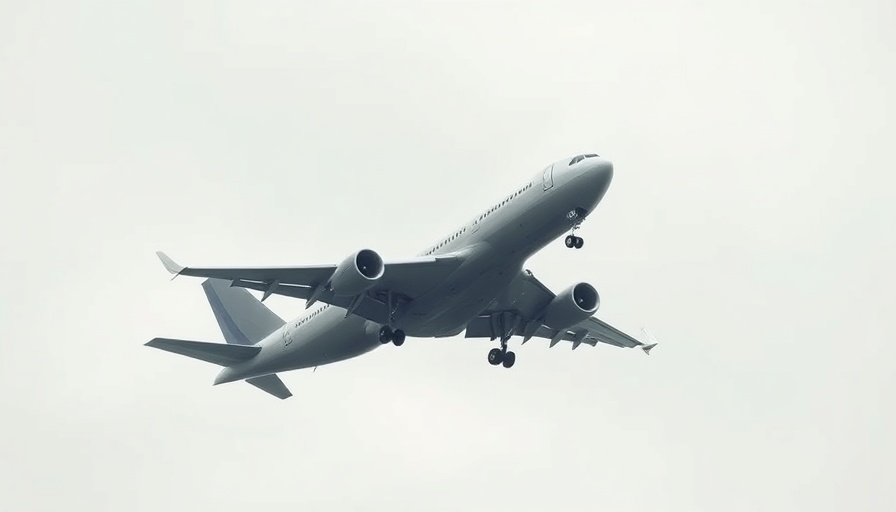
column 579, row 242
column 509, row 359
column 570, row 241
column 495, row 356
column 398, row 338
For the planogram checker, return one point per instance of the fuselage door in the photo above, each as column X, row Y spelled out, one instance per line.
column 547, row 177
column 287, row 338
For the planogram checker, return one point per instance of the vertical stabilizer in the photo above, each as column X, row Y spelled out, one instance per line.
column 243, row 319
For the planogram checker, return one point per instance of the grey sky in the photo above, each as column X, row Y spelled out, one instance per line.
column 749, row 225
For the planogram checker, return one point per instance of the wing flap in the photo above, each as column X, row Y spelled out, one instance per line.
column 606, row 333
column 479, row 327
column 368, row 308
column 310, row 275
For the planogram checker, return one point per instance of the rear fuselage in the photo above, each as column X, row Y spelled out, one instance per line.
column 494, row 246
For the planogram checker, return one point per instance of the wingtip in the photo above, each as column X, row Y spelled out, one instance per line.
column 170, row 265
column 650, row 338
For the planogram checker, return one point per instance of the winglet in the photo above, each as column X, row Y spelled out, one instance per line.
column 648, row 348
column 170, row 265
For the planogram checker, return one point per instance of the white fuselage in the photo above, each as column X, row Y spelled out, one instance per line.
column 494, row 246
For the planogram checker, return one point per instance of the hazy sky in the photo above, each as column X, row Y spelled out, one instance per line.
column 750, row 225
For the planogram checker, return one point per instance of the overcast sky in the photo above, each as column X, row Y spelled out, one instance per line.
column 750, row 225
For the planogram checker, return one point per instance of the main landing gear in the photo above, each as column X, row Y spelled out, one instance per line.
column 574, row 241
column 501, row 356
column 387, row 334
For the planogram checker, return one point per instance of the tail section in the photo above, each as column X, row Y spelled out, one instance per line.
column 243, row 319
column 217, row 353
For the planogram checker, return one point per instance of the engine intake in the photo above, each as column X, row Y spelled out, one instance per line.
column 571, row 306
column 357, row 273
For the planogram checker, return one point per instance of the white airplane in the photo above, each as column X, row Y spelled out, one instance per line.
column 471, row 281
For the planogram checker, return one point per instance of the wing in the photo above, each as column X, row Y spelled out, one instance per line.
column 402, row 280
column 518, row 312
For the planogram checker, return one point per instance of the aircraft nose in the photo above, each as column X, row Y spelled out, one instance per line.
column 604, row 167
column 600, row 173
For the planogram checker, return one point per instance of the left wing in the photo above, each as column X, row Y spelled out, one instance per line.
column 518, row 312
column 404, row 280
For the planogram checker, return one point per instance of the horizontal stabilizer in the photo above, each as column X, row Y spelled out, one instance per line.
column 271, row 384
column 217, row 353
column 648, row 348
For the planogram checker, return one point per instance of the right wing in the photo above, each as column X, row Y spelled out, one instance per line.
column 407, row 279
column 519, row 312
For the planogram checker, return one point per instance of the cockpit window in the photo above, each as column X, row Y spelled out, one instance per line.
column 579, row 158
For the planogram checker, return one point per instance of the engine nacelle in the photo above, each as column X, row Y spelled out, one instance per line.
column 571, row 306
column 357, row 273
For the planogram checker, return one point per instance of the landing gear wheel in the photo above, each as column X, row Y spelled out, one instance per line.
column 386, row 334
column 495, row 356
column 509, row 359
column 579, row 242
column 571, row 241
column 398, row 337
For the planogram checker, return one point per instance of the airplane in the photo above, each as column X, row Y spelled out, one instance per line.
column 472, row 281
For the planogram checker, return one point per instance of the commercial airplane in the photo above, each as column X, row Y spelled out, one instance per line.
column 471, row 281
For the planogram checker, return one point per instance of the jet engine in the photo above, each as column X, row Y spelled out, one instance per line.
column 571, row 306
column 357, row 273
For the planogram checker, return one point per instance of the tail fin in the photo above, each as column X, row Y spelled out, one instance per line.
column 243, row 319
column 217, row 353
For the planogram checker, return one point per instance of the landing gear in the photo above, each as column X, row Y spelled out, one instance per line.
column 509, row 359
column 501, row 356
column 387, row 334
column 577, row 216
column 574, row 241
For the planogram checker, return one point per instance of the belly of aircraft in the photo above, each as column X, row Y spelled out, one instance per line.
column 448, row 308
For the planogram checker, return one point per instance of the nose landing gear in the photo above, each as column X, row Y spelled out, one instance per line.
column 573, row 241
column 577, row 216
